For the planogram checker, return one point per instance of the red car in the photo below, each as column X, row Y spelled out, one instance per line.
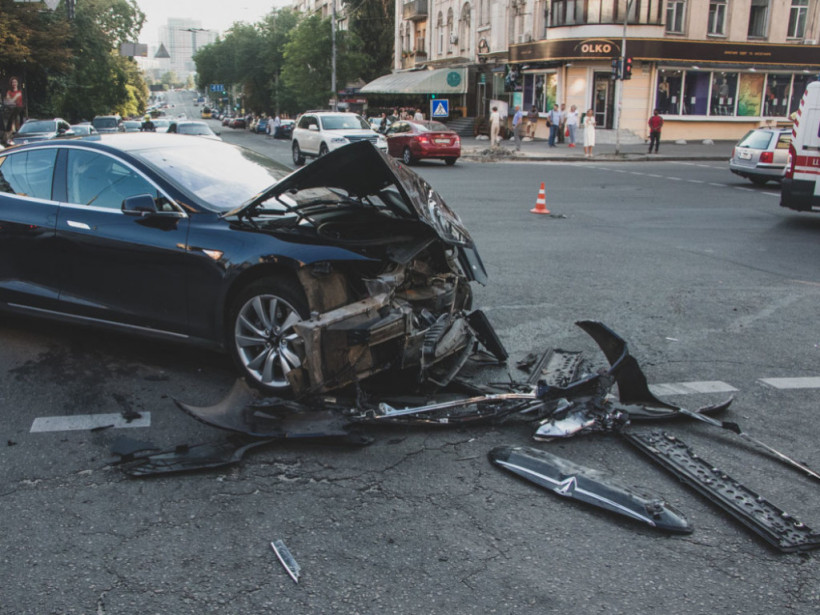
column 237, row 122
column 413, row 141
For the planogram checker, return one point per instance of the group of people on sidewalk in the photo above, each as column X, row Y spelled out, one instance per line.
column 564, row 124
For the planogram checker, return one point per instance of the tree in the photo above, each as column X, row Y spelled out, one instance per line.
column 100, row 79
column 307, row 67
column 373, row 23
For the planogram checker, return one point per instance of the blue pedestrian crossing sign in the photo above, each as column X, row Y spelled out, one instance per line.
column 439, row 107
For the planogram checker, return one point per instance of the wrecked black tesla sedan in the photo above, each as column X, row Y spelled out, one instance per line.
column 311, row 281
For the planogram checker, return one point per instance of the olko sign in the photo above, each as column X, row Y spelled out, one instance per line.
column 597, row 48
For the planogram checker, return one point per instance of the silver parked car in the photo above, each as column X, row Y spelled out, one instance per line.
column 761, row 155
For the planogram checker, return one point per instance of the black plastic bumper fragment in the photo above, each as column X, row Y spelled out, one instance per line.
column 774, row 525
column 571, row 480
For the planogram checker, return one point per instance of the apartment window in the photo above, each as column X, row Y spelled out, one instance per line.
column 717, row 17
column 797, row 19
column 675, row 11
column 758, row 17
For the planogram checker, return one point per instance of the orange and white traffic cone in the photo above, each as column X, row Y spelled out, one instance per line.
column 540, row 202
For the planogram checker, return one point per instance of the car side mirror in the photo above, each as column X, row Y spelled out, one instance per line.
column 139, row 205
column 313, row 127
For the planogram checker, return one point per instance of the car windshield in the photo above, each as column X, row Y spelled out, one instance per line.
column 38, row 126
column 104, row 122
column 432, row 127
column 342, row 122
column 223, row 176
column 193, row 129
column 756, row 139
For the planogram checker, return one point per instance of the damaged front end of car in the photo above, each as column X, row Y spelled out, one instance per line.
column 394, row 296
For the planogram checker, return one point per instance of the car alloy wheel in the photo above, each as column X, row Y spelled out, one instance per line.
column 407, row 157
column 262, row 333
column 323, row 150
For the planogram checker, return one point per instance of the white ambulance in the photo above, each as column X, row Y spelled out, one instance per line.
column 801, row 180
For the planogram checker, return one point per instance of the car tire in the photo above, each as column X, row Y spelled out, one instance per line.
column 260, row 332
column 757, row 180
column 450, row 161
column 407, row 157
column 298, row 157
column 322, row 150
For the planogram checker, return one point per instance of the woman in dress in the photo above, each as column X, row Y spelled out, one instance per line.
column 589, row 133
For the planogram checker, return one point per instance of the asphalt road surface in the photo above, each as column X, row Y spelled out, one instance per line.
column 712, row 284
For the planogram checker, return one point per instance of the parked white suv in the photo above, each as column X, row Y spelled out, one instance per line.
column 318, row 132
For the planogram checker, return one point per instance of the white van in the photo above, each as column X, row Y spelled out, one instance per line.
column 801, row 180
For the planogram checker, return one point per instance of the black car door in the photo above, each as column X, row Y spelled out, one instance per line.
column 30, row 270
column 125, row 267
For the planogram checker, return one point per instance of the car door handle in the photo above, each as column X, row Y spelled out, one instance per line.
column 81, row 225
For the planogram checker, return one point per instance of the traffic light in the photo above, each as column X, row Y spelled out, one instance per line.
column 616, row 68
column 627, row 68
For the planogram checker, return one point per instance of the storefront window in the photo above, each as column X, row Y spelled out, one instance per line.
column 750, row 94
column 798, row 89
column 696, row 93
column 550, row 91
column 776, row 101
column 541, row 90
column 667, row 92
column 724, row 92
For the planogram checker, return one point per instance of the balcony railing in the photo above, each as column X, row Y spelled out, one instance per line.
column 414, row 10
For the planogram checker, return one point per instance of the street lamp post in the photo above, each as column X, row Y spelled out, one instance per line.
column 621, row 87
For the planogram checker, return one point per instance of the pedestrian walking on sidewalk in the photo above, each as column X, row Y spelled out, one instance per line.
column 554, row 120
column 495, row 127
column 655, row 125
column 589, row 133
column 562, row 125
column 532, row 121
column 518, row 125
column 572, row 124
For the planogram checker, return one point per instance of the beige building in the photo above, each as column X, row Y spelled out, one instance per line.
column 714, row 68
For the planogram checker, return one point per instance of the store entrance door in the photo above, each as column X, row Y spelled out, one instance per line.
column 604, row 97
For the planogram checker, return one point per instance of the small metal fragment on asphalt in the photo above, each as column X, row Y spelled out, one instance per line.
column 290, row 564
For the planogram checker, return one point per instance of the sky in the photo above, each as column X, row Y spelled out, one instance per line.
column 214, row 14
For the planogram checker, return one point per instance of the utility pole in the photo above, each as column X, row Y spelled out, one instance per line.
column 333, row 53
column 621, row 86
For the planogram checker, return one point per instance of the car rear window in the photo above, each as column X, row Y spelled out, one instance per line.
column 783, row 141
column 757, row 139
column 340, row 122
column 104, row 122
column 40, row 126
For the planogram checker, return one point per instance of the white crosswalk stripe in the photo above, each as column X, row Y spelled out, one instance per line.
column 87, row 421
column 689, row 388
column 811, row 382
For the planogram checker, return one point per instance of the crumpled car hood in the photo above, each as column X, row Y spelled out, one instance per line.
column 361, row 169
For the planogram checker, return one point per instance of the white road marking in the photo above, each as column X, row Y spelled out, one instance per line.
column 87, row 422
column 810, row 382
column 689, row 388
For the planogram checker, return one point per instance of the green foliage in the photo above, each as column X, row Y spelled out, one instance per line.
column 74, row 69
column 372, row 21
column 307, row 67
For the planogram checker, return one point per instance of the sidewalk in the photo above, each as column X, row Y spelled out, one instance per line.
column 539, row 150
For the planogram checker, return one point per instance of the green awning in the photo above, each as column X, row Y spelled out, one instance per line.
column 436, row 81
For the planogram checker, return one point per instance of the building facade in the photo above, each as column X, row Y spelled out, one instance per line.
column 714, row 68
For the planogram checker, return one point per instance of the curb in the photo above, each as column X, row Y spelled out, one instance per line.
column 597, row 158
